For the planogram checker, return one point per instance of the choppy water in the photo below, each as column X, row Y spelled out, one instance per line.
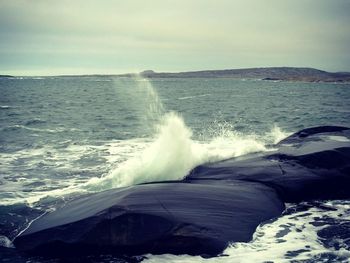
column 63, row 137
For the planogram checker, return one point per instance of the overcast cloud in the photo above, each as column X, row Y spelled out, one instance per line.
column 75, row 37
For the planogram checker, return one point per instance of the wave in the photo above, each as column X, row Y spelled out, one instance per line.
column 5, row 242
column 22, row 127
column 173, row 154
column 169, row 157
column 169, row 154
column 193, row 97
column 290, row 238
column 5, row 107
column 34, row 121
column 275, row 135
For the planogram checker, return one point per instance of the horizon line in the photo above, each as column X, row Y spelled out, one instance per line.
column 154, row 71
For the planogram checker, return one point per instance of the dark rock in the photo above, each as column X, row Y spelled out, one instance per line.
column 15, row 217
column 11, row 255
column 215, row 204
column 336, row 235
column 155, row 218
column 309, row 165
column 298, row 136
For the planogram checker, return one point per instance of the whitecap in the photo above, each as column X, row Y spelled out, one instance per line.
column 5, row 242
column 338, row 138
column 193, row 97
column 5, row 107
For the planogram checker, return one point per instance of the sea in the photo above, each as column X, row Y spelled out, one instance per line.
column 64, row 137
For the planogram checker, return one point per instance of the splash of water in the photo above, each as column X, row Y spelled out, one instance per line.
column 283, row 241
column 169, row 157
column 276, row 134
column 140, row 97
column 173, row 153
column 168, row 154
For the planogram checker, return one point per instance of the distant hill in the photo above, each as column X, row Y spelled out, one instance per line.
column 273, row 73
column 268, row 74
column 6, row 76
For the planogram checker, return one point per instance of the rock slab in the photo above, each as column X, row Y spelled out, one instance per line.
column 214, row 205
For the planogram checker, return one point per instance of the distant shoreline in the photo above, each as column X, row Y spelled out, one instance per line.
column 267, row 74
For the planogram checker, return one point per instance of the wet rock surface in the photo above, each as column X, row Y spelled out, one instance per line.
column 215, row 204
column 155, row 218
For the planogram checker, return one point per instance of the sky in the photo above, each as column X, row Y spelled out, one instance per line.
column 43, row 37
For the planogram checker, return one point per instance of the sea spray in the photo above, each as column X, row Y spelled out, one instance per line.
column 169, row 157
column 172, row 153
column 147, row 98
column 168, row 152
column 225, row 141
column 276, row 135
column 155, row 109
column 138, row 97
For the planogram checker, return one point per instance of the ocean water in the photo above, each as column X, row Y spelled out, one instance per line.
column 62, row 137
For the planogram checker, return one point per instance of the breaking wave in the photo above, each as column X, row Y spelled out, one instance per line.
column 169, row 153
column 173, row 153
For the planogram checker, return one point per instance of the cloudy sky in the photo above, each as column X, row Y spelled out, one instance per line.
column 43, row 37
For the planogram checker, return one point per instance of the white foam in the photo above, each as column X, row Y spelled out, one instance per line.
column 5, row 242
column 193, row 97
column 5, row 107
column 276, row 134
column 169, row 154
column 173, row 153
column 273, row 242
column 338, row 138
column 56, row 130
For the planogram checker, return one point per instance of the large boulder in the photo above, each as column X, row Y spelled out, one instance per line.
column 215, row 204
column 311, row 164
column 154, row 218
